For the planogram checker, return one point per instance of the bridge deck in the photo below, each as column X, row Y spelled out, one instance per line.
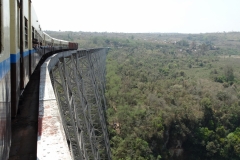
column 52, row 143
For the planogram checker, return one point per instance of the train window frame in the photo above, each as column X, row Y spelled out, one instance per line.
column 33, row 36
column 26, row 31
column 36, row 35
column 18, row 25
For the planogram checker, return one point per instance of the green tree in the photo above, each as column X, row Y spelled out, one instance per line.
column 228, row 72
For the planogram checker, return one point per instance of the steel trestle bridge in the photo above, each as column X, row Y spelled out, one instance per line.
column 76, row 81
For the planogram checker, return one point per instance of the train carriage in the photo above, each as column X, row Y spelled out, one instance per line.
column 47, row 42
column 64, row 44
column 22, row 45
column 36, row 50
column 25, row 44
column 72, row 45
column 56, row 43
column 25, row 28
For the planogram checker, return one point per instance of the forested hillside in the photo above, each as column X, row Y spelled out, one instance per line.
column 170, row 96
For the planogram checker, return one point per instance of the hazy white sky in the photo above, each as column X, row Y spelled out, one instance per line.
column 182, row 16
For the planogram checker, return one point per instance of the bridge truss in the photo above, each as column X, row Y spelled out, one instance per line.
column 79, row 84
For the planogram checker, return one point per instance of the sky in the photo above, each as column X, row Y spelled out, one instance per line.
column 139, row 16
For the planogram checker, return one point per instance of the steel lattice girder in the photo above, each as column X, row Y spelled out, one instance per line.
column 79, row 84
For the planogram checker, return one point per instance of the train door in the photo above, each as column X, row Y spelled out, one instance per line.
column 15, row 21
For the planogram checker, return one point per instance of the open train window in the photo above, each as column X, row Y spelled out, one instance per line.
column 33, row 33
column 26, row 32
column 40, row 39
column 36, row 35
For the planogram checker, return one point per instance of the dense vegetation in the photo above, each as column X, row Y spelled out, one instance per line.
column 170, row 96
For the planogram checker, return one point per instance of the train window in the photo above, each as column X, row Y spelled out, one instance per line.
column 33, row 33
column 40, row 39
column 36, row 35
column 26, row 32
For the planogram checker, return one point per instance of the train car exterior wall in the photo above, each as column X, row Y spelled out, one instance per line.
column 5, row 110
column 15, row 54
